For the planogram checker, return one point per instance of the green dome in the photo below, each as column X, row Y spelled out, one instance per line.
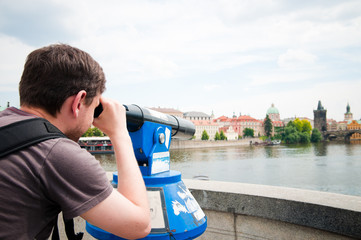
column 272, row 110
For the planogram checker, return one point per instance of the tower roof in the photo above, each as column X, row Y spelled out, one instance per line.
column 320, row 107
column 272, row 110
column 348, row 109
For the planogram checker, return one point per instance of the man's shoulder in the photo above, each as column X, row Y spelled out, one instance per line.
column 12, row 114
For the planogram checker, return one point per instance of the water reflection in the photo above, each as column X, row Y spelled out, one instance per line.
column 325, row 167
column 320, row 149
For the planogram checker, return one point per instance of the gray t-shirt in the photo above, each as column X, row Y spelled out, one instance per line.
column 38, row 182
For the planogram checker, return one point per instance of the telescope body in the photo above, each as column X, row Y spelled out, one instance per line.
column 175, row 214
column 136, row 116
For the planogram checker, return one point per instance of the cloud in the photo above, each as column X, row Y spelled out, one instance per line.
column 13, row 55
column 255, row 51
column 37, row 22
column 296, row 58
column 211, row 87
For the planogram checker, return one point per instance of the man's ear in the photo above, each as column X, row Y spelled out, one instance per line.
column 77, row 102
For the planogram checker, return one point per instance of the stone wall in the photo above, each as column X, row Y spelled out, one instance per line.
column 247, row 211
column 238, row 211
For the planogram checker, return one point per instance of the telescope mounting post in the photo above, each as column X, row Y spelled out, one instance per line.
column 175, row 214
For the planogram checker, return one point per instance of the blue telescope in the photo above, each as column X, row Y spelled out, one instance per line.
column 175, row 214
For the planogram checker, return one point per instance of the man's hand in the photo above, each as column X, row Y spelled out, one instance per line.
column 125, row 212
column 112, row 121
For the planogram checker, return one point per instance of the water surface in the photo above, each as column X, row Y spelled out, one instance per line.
column 330, row 167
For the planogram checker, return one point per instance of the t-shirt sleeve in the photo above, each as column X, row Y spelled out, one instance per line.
column 74, row 179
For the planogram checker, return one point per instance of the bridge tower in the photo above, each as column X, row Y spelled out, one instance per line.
column 320, row 120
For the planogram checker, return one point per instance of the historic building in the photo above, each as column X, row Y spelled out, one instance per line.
column 229, row 132
column 202, row 121
column 274, row 115
column 354, row 125
column 196, row 116
column 348, row 114
column 320, row 120
column 240, row 123
column 332, row 125
column 210, row 126
column 348, row 117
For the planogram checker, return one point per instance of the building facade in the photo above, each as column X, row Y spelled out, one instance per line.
column 202, row 121
column 354, row 125
column 209, row 126
column 240, row 123
column 348, row 114
column 275, row 117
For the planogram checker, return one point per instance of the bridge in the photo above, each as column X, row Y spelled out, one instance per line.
column 340, row 135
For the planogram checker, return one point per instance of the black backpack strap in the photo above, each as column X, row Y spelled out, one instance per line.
column 69, row 230
column 25, row 133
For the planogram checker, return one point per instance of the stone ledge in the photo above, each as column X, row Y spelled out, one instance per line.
column 330, row 212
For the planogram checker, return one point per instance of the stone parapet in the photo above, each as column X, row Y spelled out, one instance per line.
column 247, row 211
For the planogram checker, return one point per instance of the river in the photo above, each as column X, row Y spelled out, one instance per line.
column 329, row 167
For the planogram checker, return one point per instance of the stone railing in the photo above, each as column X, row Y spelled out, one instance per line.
column 238, row 211
column 247, row 211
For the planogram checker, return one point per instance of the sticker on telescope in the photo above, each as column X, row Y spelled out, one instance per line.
column 158, row 114
column 161, row 162
column 167, row 137
column 187, row 204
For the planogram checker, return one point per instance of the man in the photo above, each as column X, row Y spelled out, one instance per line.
column 64, row 85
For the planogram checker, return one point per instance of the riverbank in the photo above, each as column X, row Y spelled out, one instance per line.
column 186, row 144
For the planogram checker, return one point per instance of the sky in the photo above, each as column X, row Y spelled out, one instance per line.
column 222, row 56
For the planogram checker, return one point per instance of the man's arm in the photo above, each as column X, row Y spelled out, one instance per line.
column 125, row 212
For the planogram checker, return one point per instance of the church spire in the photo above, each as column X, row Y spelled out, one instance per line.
column 348, row 108
column 348, row 114
column 319, row 107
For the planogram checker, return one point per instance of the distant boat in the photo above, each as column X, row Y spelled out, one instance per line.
column 266, row 143
column 276, row 142
column 96, row 145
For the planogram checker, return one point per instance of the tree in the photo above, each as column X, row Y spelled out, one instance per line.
column 316, row 136
column 93, row 132
column 305, row 137
column 205, row 135
column 217, row 136
column 306, row 126
column 291, row 135
column 248, row 132
column 298, row 124
column 222, row 135
column 268, row 126
column 291, row 124
column 97, row 132
column 88, row 133
column 297, row 131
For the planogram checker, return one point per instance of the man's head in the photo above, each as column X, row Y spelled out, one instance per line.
column 54, row 73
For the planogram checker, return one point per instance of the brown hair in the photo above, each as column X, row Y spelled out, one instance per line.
column 54, row 73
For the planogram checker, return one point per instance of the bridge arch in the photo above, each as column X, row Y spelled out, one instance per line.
column 341, row 135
